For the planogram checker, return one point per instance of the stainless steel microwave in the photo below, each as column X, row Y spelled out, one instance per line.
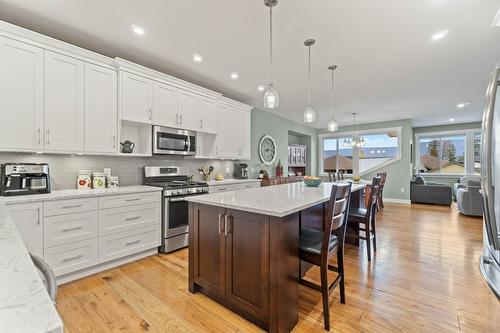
column 173, row 141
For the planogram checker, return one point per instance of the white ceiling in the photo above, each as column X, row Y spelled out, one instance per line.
column 388, row 66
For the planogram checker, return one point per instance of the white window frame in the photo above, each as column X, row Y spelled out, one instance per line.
column 469, row 151
column 355, row 153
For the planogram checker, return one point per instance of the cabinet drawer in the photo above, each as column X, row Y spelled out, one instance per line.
column 128, row 242
column 115, row 220
column 125, row 200
column 60, row 207
column 72, row 257
column 68, row 228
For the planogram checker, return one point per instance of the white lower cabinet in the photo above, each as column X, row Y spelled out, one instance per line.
column 77, row 237
column 28, row 218
column 72, row 257
column 129, row 242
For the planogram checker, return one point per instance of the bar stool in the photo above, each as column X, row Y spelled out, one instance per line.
column 380, row 200
column 316, row 247
column 365, row 218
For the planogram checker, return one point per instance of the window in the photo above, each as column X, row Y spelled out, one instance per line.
column 378, row 149
column 448, row 153
column 381, row 147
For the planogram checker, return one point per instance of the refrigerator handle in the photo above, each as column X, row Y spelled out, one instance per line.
column 486, row 170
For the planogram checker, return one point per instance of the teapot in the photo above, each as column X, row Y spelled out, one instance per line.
column 127, row 146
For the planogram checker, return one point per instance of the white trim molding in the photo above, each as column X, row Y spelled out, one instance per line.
column 398, row 201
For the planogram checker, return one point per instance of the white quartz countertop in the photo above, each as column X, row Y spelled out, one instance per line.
column 232, row 182
column 25, row 305
column 72, row 194
column 279, row 200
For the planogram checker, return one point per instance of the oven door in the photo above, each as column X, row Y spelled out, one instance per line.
column 173, row 141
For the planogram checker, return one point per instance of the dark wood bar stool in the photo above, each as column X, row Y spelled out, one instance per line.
column 317, row 247
column 365, row 217
column 380, row 199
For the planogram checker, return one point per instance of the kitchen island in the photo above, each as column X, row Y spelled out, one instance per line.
column 244, row 247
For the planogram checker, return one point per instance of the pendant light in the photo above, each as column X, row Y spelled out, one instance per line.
column 332, row 125
column 309, row 113
column 271, row 96
column 355, row 142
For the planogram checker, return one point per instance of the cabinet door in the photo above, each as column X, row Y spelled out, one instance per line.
column 247, row 263
column 209, row 248
column 101, row 113
column 21, row 97
column 165, row 105
column 187, row 110
column 29, row 224
column 206, row 115
column 64, row 102
column 223, row 126
column 136, row 98
column 244, row 135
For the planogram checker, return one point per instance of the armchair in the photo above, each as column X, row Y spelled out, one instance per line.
column 470, row 199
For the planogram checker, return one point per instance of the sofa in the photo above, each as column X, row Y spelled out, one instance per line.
column 470, row 199
column 425, row 192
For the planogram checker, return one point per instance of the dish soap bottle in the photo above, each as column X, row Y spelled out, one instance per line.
column 279, row 169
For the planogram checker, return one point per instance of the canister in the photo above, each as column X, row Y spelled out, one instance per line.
column 83, row 180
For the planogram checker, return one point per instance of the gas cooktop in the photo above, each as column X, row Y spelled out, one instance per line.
column 173, row 180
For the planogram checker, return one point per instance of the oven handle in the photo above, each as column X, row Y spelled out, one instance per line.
column 177, row 199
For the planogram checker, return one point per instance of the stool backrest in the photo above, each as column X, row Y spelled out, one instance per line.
column 336, row 214
column 371, row 205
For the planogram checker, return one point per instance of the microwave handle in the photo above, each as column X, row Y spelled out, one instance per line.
column 188, row 143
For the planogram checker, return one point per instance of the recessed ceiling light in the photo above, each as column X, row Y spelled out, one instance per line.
column 197, row 58
column 261, row 88
column 137, row 29
column 440, row 35
column 462, row 105
column 452, row 120
column 39, row 153
column 234, row 75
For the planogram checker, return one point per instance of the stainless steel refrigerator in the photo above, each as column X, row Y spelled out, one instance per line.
column 489, row 262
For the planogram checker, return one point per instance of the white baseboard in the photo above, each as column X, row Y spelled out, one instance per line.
column 104, row 266
column 398, row 201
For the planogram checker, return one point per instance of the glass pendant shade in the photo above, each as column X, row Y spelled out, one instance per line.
column 309, row 115
column 333, row 125
column 271, row 97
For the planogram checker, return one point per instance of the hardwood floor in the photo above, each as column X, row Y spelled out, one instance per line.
column 424, row 278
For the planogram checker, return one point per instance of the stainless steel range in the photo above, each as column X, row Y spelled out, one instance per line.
column 176, row 187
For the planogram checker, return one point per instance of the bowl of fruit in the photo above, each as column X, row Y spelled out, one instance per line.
column 312, row 181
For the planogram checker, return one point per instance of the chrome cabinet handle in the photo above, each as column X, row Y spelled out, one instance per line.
column 150, row 114
column 132, row 218
column 48, row 136
column 72, row 258
column 39, row 135
column 216, row 149
column 133, row 242
column 225, row 225
column 38, row 216
column 180, row 119
column 72, row 206
column 177, row 118
column 133, row 199
column 72, row 229
column 114, row 141
column 220, row 223
column 201, row 123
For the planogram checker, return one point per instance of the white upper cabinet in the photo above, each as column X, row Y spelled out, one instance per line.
column 136, row 98
column 206, row 115
column 244, row 135
column 186, row 109
column 21, row 95
column 64, row 103
column 165, row 105
column 28, row 221
column 101, row 113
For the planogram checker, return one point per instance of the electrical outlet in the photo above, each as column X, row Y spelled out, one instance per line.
column 402, row 189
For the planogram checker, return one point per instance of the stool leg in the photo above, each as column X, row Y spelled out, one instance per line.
column 325, row 295
column 340, row 261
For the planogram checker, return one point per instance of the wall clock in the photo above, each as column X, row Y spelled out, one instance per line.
column 267, row 150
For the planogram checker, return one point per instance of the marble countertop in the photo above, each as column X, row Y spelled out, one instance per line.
column 232, row 182
column 72, row 194
column 279, row 200
column 25, row 305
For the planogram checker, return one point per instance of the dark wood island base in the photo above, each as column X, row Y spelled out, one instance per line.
column 247, row 262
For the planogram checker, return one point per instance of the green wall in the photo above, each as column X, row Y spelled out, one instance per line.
column 398, row 173
column 278, row 127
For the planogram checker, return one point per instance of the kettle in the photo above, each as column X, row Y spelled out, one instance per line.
column 127, row 146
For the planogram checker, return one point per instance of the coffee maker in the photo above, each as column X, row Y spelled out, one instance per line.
column 25, row 178
column 240, row 171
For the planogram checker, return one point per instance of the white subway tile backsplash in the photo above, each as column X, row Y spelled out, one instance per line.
column 63, row 168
